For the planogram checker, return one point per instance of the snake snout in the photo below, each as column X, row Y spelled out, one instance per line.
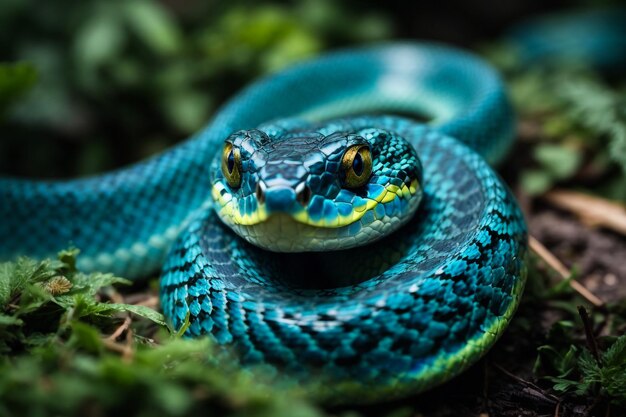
column 281, row 199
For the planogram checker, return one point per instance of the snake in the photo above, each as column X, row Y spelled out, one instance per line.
column 339, row 221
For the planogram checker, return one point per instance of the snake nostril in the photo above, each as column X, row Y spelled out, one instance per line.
column 303, row 194
column 260, row 192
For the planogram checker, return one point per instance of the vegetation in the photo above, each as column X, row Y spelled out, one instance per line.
column 99, row 99
column 67, row 349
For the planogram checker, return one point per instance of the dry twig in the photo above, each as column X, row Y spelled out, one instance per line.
column 593, row 211
column 525, row 383
column 121, row 328
column 553, row 262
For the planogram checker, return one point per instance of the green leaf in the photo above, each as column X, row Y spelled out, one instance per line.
column 91, row 283
column 563, row 364
column 99, row 40
column 142, row 311
column 564, row 385
column 68, row 258
column 19, row 276
column 560, row 161
column 598, row 108
column 183, row 328
column 187, row 110
column 10, row 321
column 293, row 48
column 16, row 79
column 616, row 354
column 536, row 182
column 154, row 25
column 6, row 282
column 32, row 298
column 85, row 337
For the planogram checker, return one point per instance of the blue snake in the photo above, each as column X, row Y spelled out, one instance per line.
column 338, row 220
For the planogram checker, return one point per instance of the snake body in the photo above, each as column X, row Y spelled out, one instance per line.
column 391, row 317
column 407, row 278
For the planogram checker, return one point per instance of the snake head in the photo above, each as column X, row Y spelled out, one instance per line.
column 317, row 189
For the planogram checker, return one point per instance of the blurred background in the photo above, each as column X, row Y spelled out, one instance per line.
column 92, row 85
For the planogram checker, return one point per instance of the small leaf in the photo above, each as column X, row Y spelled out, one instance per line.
column 536, row 182
column 142, row 311
column 568, row 362
column 10, row 321
column 183, row 328
column 6, row 282
column 85, row 337
column 68, row 257
column 154, row 26
column 563, row 385
column 99, row 40
column 91, row 283
column 187, row 110
column 616, row 354
column 561, row 161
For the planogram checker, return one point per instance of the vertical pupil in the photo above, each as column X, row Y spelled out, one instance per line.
column 230, row 162
column 357, row 164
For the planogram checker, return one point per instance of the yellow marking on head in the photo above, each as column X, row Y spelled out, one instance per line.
column 231, row 213
column 389, row 196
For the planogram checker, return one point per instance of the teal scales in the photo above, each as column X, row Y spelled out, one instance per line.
column 409, row 249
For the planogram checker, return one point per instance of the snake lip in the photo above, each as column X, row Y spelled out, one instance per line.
column 282, row 232
column 297, row 229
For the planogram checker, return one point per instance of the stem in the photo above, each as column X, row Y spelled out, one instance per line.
column 591, row 339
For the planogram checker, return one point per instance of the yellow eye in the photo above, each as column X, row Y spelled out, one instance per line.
column 231, row 165
column 357, row 165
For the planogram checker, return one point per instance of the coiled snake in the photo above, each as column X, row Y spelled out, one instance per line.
column 409, row 249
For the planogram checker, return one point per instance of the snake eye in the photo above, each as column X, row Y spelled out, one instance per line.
column 357, row 166
column 231, row 165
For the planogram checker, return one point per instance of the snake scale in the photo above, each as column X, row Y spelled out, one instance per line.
column 338, row 220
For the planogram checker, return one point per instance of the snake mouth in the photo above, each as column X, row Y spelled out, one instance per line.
column 281, row 232
column 318, row 213
column 307, row 229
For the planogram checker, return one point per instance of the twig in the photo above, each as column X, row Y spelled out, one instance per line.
column 121, row 328
column 130, row 351
column 143, row 299
column 591, row 339
column 137, row 298
column 115, row 347
column 525, row 383
column 152, row 302
column 126, row 349
column 593, row 405
column 557, row 266
column 593, row 211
